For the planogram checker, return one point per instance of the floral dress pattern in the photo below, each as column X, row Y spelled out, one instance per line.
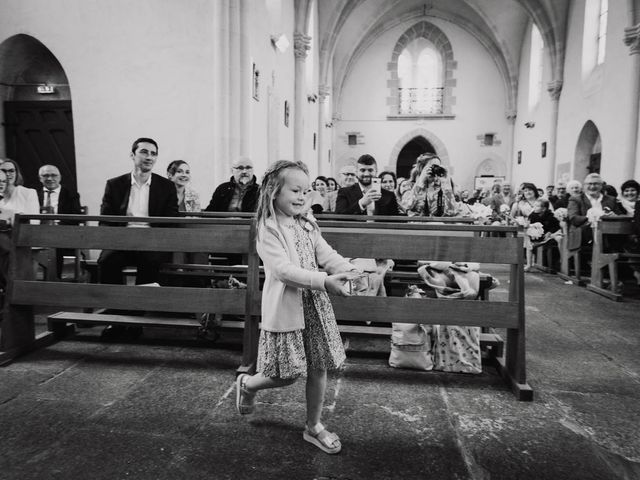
column 318, row 346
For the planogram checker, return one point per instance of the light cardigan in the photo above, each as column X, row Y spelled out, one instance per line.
column 284, row 277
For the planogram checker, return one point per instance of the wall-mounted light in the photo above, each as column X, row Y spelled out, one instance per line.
column 312, row 98
column 280, row 42
column 46, row 89
column 530, row 124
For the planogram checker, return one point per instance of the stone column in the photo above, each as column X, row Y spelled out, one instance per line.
column 511, row 118
column 323, row 167
column 301, row 46
column 632, row 40
column 554, row 88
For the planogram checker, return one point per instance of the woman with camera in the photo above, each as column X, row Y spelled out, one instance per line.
column 432, row 194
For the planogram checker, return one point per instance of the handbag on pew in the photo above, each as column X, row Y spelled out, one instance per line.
column 411, row 342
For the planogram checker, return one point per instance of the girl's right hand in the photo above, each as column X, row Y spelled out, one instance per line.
column 334, row 284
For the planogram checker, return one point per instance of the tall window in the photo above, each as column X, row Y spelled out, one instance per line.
column 421, row 79
column 535, row 67
column 594, row 37
column 602, row 30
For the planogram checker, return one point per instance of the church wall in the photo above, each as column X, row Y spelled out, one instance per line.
column 602, row 98
column 155, row 68
column 479, row 108
column 528, row 140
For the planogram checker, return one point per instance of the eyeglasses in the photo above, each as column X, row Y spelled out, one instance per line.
column 49, row 175
column 243, row 167
column 348, row 174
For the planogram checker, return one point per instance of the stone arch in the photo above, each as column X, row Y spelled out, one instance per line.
column 493, row 165
column 433, row 34
column 588, row 150
column 437, row 144
column 38, row 128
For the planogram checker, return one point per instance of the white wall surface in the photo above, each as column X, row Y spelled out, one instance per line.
column 480, row 107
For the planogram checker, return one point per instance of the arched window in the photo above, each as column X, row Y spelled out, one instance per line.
column 420, row 78
column 594, row 39
column 602, row 30
column 421, row 73
column 535, row 67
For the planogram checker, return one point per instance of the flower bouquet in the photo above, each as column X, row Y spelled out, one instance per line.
column 594, row 215
column 481, row 213
column 535, row 231
column 560, row 214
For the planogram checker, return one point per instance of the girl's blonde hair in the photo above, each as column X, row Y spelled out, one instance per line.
column 270, row 186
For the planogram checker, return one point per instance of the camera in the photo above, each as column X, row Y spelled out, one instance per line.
column 438, row 171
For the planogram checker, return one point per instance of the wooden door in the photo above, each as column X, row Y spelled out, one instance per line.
column 40, row 133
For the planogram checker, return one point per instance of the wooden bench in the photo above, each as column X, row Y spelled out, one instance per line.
column 610, row 260
column 570, row 267
column 24, row 292
column 411, row 241
column 452, row 242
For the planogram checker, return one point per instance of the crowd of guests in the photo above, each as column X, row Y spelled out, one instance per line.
column 428, row 191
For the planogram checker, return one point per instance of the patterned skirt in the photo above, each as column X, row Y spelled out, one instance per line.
column 317, row 347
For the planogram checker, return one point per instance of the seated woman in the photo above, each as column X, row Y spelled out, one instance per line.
column 179, row 173
column 574, row 187
column 544, row 229
column 524, row 206
column 388, row 181
column 17, row 198
column 629, row 205
column 432, row 193
column 320, row 199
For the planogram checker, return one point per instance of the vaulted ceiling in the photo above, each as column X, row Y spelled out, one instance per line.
column 348, row 27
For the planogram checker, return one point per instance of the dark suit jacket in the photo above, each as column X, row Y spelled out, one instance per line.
column 68, row 200
column 163, row 199
column 347, row 202
column 579, row 228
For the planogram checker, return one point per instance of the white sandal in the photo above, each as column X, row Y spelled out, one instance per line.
column 323, row 439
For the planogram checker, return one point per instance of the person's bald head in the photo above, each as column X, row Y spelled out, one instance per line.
column 49, row 176
column 242, row 169
column 347, row 175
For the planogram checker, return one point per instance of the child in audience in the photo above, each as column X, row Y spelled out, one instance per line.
column 299, row 334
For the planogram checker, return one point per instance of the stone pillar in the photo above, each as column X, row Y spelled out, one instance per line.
column 511, row 118
column 323, row 132
column 554, row 88
column 632, row 40
column 301, row 46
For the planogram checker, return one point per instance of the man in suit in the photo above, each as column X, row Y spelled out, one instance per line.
column 360, row 198
column 56, row 198
column 139, row 193
column 592, row 197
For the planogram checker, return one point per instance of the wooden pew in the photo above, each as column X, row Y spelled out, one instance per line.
column 24, row 292
column 614, row 225
column 570, row 267
column 434, row 242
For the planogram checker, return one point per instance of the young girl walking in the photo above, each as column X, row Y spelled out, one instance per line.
column 299, row 333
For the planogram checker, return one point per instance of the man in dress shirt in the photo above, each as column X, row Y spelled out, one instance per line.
column 139, row 193
column 360, row 198
column 56, row 198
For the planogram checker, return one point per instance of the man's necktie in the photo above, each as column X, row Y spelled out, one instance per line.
column 47, row 201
